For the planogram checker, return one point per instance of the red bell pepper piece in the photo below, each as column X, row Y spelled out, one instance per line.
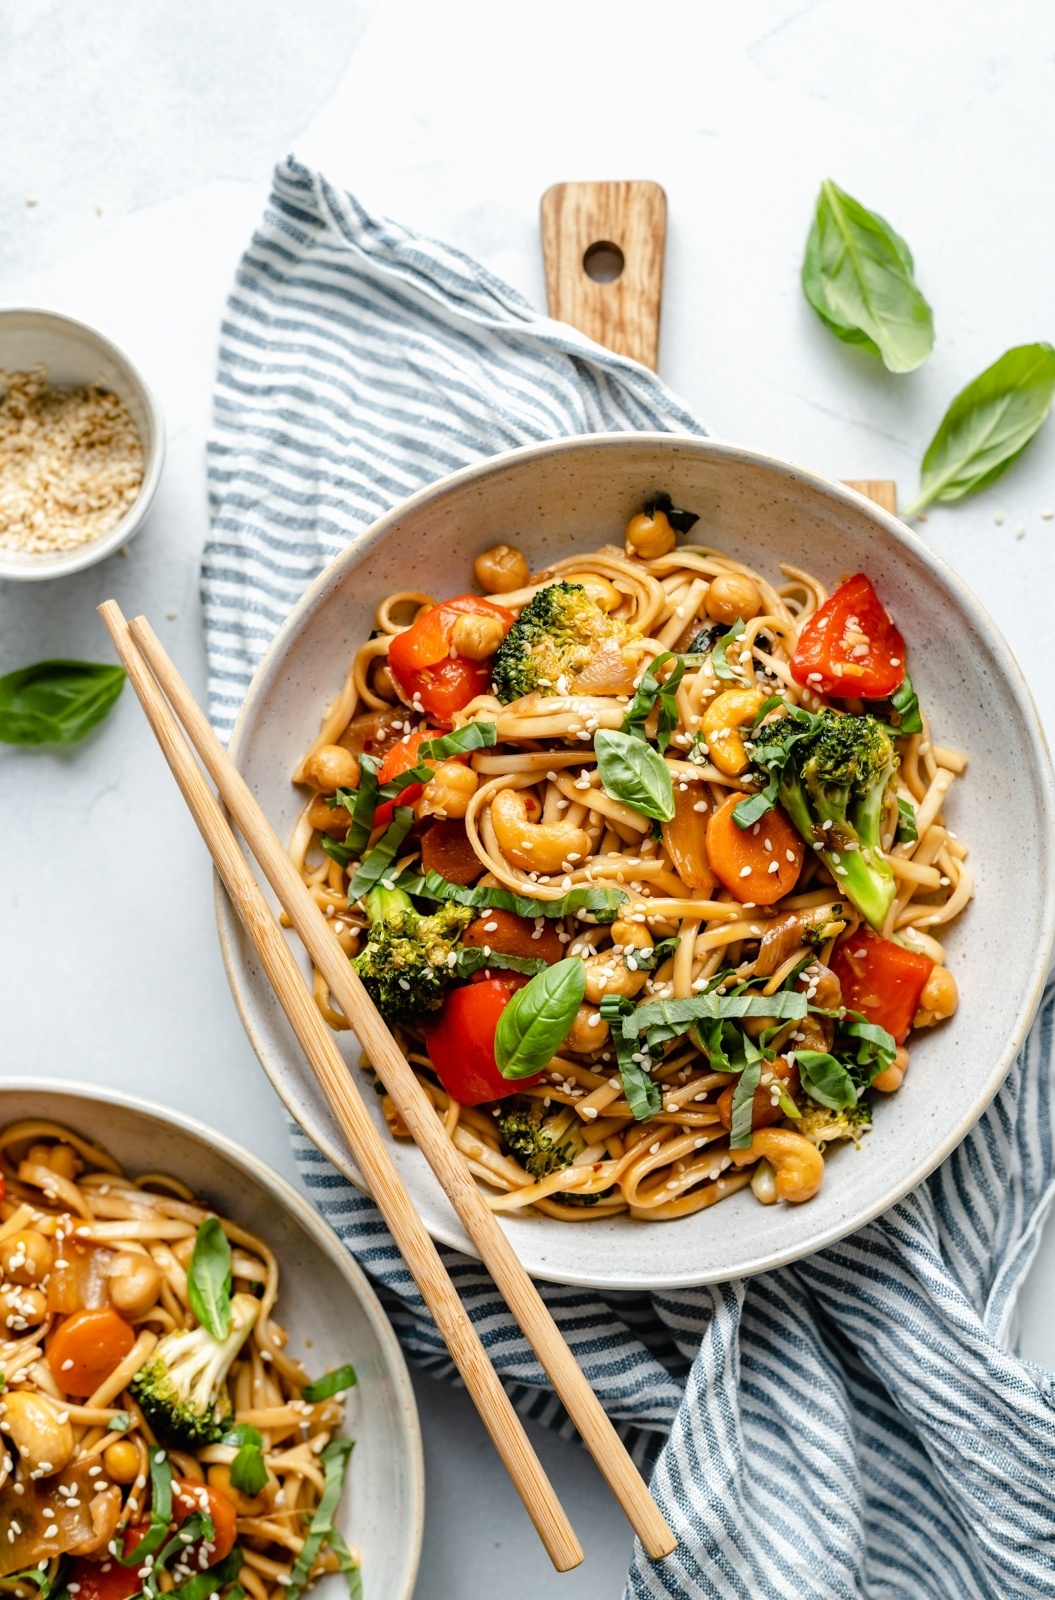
column 107, row 1579
column 880, row 979
column 461, row 1042
column 849, row 648
column 422, row 665
column 400, row 758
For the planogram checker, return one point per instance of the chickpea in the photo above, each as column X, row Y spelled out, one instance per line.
column 135, row 1283
column 121, row 1460
column 721, row 725
column 382, row 681
column 26, row 1256
column 449, row 792
column 31, row 1422
column 608, row 973
column 21, row 1308
column 333, row 820
column 649, row 535
column 589, row 1032
column 939, row 999
column 892, row 1077
column 732, row 595
column 331, row 768
column 59, row 1158
column 501, row 569
column 477, row 636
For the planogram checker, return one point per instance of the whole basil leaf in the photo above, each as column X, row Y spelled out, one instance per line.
column 57, row 702
column 248, row 1469
column 988, row 425
column 209, row 1279
column 631, row 771
column 537, row 1019
column 857, row 276
column 825, row 1079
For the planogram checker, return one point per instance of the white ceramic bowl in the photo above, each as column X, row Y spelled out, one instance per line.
column 575, row 494
column 75, row 354
column 323, row 1297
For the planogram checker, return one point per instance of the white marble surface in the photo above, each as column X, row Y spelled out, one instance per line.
column 146, row 133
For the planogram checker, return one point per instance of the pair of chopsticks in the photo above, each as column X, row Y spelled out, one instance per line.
column 168, row 703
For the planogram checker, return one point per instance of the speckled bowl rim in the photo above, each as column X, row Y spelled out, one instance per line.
column 327, row 1241
column 86, row 555
column 960, row 595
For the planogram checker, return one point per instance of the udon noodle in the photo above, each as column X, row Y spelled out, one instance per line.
column 541, row 777
column 95, row 1269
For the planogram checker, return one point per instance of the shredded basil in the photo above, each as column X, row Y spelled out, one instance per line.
column 474, row 736
column 744, row 1099
column 906, row 822
column 119, row 1424
column 650, row 690
column 642, row 1092
column 825, row 1079
column 57, row 702
column 209, row 1279
column 333, row 1382
column 771, row 756
column 353, row 1576
column 471, row 958
column 786, row 1005
column 204, row 1584
column 905, row 702
column 334, row 1464
column 373, row 866
column 36, row 1575
column 603, row 904
column 681, row 521
column 632, row 772
column 160, row 1511
column 718, row 661
column 651, row 956
column 538, row 1018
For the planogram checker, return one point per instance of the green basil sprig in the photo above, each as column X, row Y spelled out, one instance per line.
column 336, row 1381
column 209, row 1279
column 988, row 425
column 334, row 1460
column 56, row 702
column 858, row 276
column 631, row 771
column 538, row 1018
column 248, row 1469
column 602, row 904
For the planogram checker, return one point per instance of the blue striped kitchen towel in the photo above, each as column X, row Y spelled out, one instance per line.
column 856, row 1425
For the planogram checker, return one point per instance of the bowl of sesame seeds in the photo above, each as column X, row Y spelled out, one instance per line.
column 82, row 446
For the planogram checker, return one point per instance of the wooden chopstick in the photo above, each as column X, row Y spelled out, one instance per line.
column 364, row 1140
column 496, row 1252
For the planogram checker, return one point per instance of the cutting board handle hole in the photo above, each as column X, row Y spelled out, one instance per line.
column 604, row 262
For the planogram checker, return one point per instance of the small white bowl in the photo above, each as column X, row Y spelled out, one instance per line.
column 75, row 354
column 324, row 1299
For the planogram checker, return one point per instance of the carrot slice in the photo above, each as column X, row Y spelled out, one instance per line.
column 759, row 864
column 85, row 1349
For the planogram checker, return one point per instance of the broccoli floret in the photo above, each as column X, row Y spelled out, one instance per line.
column 182, row 1389
column 404, row 964
column 823, row 1127
column 542, row 1140
column 556, row 636
column 833, row 783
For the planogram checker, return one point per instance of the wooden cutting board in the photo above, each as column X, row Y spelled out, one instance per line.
column 603, row 246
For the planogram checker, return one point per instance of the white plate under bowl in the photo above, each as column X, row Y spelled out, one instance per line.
column 74, row 355
column 575, row 494
column 323, row 1298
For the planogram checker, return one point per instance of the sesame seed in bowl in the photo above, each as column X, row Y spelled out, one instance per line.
column 82, row 446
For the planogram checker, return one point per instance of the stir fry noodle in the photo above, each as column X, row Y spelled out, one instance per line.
column 156, row 1435
column 644, row 857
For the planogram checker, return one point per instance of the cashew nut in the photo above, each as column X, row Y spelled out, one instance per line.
column 721, row 725
column 798, row 1165
column 31, row 1422
column 448, row 792
column 535, row 846
column 939, row 999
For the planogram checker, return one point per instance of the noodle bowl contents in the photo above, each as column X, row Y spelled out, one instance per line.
column 156, row 1435
column 644, row 859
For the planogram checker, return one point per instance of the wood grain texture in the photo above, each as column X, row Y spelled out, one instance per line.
column 365, row 1142
column 416, row 1109
column 882, row 490
column 623, row 315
